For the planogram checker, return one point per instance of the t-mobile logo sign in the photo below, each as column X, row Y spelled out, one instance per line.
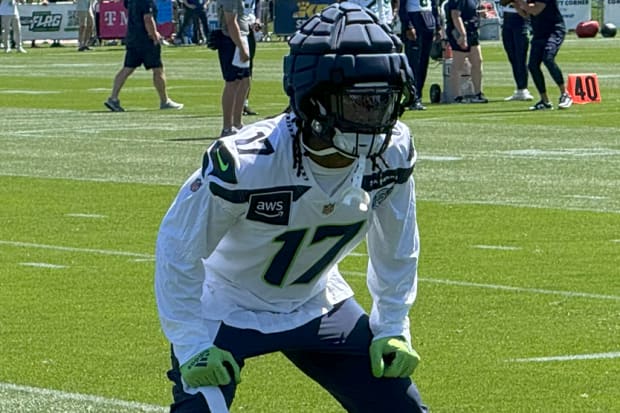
column 115, row 17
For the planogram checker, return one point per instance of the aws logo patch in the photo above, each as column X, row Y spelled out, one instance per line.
column 271, row 208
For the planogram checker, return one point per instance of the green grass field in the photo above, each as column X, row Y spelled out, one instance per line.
column 519, row 282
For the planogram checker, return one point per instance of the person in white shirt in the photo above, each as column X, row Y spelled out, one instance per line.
column 247, row 255
column 86, row 19
column 386, row 10
column 9, row 18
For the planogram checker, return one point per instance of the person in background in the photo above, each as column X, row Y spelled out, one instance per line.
column 516, row 42
column 548, row 32
column 463, row 23
column 9, row 17
column 142, row 48
column 386, row 10
column 420, row 25
column 97, row 14
column 86, row 21
column 234, row 56
column 246, row 259
column 194, row 13
column 253, row 11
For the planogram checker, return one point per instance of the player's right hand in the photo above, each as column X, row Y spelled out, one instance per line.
column 393, row 357
column 210, row 367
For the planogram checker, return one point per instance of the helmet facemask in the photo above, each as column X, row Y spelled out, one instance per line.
column 356, row 120
column 348, row 82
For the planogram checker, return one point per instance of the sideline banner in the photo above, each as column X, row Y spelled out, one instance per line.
column 113, row 19
column 56, row 21
column 612, row 12
column 575, row 12
column 288, row 15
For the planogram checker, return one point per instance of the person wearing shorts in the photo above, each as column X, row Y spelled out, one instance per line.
column 464, row 38
column 235, row 71
column 143, row 48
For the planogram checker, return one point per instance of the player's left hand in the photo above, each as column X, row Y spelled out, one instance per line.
column 392, row 357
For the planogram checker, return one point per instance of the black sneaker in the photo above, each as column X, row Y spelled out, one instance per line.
column 114, row 105
column 248, row 112
column 228, row 132
column 565, row 101
column 479, row 98
column 542, row 105
column 459, row 99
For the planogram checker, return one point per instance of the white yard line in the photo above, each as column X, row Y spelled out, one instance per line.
column 148, row 257
column 505, row 287
column 521, row 289
column 72, row 249
column 41, row 265
column 496, row 247
column 593, row 356
column 81, row 215
column 17, row 398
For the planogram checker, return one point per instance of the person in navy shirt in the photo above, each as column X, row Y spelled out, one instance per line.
column 143, row 48
column 463, row 24
column 548, row 32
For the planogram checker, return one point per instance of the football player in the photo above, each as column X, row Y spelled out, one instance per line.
column 247, row 255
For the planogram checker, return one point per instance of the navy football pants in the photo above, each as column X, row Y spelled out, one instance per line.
column 332, row 350
column 544, row 50
column 516, row 44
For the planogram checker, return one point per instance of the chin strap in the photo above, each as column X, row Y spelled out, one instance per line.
column 355, row 194
column 320, row 152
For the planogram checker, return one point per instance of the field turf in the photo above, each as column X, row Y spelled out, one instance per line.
column 518, row 307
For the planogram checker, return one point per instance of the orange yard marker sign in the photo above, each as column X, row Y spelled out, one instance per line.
column 583, row 87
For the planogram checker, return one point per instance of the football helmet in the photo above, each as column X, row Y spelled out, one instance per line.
column 609, row 30
column 348, row 80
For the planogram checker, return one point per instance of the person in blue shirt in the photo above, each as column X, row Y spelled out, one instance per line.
column 194, row 12
column 420, row 24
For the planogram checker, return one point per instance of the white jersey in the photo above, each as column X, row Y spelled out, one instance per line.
column 249, row 10
column 250, row 243
column 382, row 8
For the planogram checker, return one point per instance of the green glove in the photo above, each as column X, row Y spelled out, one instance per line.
column 210, row 367
column 392, row 357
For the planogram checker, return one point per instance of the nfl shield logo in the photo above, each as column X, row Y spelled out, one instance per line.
column 328, row 209
column 195, row 185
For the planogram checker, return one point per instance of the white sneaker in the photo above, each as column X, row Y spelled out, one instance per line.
column 565, row 101
column 7, row 50
column 171, row 104
column 511, row 97
column 21, row 50
column 526, row 94
column 521, row 95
